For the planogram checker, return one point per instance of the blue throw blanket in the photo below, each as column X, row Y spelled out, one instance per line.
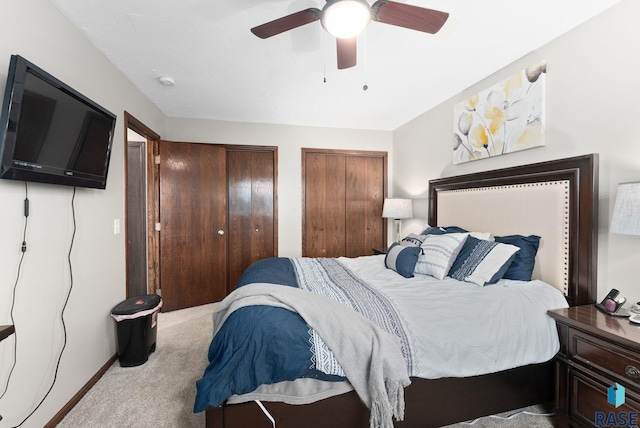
column 252, row 347
column 238, row 365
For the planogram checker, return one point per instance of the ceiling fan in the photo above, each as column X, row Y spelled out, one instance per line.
column 345, row 19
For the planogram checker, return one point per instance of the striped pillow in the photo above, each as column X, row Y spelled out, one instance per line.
column 482, row 262
column 438, row 254
column 413, row 240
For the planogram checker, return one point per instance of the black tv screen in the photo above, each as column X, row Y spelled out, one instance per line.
column 50, row 133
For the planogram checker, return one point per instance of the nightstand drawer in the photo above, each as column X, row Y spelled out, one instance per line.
column 604, row 356
column 589, row 397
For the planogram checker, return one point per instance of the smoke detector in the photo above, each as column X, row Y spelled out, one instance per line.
column 166, row 80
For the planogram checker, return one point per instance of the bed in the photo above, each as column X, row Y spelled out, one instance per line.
column 556, row 200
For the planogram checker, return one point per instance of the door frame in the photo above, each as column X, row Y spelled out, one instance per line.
column 152, row 179
column 153, row 197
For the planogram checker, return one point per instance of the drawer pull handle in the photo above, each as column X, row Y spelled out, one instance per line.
column 632, row 371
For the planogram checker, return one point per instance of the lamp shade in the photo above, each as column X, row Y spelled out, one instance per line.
column 397, row 208
column 626, row 211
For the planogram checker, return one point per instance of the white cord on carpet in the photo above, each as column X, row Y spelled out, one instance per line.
column 515, row 415
column 266, row 412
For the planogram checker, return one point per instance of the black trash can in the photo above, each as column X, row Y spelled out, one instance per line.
column 136, row 325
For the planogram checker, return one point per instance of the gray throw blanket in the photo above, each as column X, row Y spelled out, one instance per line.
column 370, row 357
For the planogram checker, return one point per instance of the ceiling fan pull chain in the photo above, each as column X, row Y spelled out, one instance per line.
column 324, row 57
column 364, row 40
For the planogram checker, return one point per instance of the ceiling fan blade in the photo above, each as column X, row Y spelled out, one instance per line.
column 407, row 16
column 346, row 52
column 286, row 23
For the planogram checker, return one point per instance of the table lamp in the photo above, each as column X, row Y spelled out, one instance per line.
column 397, row 209
column 626, row 211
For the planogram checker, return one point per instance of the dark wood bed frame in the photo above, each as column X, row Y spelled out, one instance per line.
column 438, row 402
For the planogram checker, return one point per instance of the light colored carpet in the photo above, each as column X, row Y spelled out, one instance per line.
column 161, row 392
column 530, row 417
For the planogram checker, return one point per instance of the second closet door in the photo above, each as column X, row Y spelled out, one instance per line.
column 251, row 199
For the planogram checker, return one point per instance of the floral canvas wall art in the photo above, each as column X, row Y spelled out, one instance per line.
column 504, row 118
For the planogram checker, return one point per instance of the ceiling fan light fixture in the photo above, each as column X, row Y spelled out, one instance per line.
column 345, row 19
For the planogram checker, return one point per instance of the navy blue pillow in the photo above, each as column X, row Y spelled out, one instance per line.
column 402, row 259
column 454, row 229
column 431, row 230
column 521, row 268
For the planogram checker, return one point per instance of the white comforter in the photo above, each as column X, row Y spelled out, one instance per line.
column 459, row 329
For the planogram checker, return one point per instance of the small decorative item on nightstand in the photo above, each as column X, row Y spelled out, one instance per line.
column 611, row 305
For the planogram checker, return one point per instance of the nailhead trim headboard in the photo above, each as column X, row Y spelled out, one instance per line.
column 520, row 209
column 557, row 200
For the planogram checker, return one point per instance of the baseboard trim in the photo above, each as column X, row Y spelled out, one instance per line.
column 76, row 398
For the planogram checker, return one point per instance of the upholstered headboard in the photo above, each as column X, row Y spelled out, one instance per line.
column 556, row 200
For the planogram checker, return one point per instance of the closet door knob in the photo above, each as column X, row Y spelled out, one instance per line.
column 221, row 232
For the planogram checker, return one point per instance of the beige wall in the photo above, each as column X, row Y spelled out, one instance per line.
column 289, row 140
column 591, row 107
column 35, row 30
column 591, row 96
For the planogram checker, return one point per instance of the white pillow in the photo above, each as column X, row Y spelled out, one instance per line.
column 439, row 253
column 487, row 236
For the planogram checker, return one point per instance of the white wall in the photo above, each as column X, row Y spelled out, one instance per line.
column 591, row 96
column 592, row 107
column 35, row 30
column 289, row 140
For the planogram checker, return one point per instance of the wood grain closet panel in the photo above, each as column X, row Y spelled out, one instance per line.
column 192, row 211
column 251, row 200
column 364, row 199
column 324, row 205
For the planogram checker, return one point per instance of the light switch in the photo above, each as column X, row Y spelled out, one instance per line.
column 116, row 226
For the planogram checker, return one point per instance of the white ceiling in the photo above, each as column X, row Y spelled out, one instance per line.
column 222, row 71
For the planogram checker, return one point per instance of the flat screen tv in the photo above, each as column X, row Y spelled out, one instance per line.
column 51, row 133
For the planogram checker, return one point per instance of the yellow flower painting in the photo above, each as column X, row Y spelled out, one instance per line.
column 504, row 118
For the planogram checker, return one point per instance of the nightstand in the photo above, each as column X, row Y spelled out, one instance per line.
column 596, row 352
column 377, row 251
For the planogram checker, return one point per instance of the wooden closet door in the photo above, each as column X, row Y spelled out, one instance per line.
column 324, row 205
column 364, row 197
column 193, row 218
column 343, row 193
column 252, row 208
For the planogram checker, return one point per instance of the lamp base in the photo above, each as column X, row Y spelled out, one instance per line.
column 397, row 221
